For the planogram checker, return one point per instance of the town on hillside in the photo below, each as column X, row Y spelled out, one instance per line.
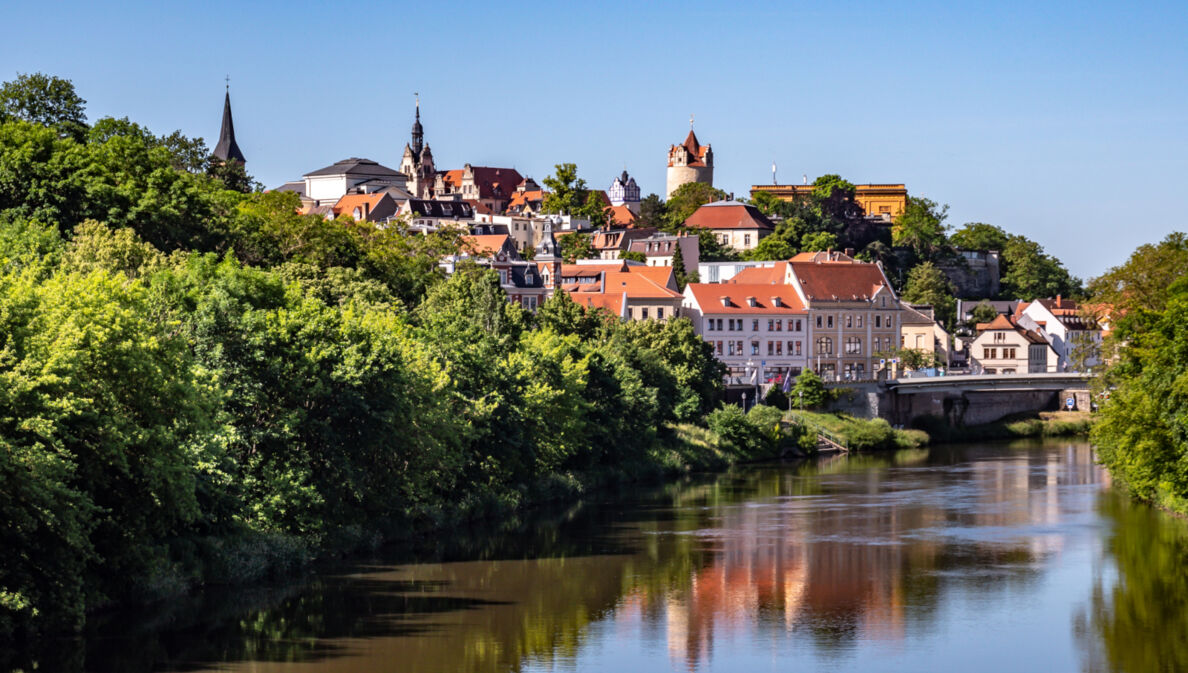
column 854, row 282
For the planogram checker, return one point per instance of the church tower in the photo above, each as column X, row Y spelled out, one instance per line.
column 227, row 148
column 689, row 162
column 417, row 162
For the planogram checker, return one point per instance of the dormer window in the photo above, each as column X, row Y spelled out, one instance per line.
column 751, row 302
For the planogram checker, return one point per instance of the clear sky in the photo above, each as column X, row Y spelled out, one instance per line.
column 1066, row 122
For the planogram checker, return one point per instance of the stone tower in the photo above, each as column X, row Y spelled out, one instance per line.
column 417, row 162
column 689, row 162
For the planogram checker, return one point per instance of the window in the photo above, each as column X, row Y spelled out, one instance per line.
column 730, row 347
column 770, row 348
column 853, row 346
column 793, row 348
column 643, row 313
column 754, row 326
column 779, row 347
column 719, row 324
column 989, row 353
column 746, row 239
column 824, row 346
column 799, row 325
column 829, row 321
column 738, row 347
column 1008, row 354
column 818, row 322
column 731, row 324
column 754, row 348
column 999, row 337
column 849, row 321
column 878, row 321
column 502, row 277
column 770, row 325
column 660, row 313
column 858, row 320
column 718, row 349
column 709, row 325
column 779, row 325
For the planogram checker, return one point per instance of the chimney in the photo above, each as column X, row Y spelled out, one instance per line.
column 1058, row 301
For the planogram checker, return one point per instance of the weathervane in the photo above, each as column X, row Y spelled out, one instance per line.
column 690, row 121
column 227, row 82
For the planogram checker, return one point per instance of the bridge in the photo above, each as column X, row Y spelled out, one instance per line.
column 966, row 399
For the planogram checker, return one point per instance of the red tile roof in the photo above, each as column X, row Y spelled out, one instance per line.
column 696, row 151
column 622, row 216
column 840, row 281
column 1005, row 323
column 347, row 204
column 488, row 244
column 612, row 301
column 709, row 297
column 479, row 207
column 637, row 286
column 728, row 215
column 521, row 199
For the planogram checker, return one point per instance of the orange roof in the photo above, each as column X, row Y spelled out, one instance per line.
column 571, row 270
column 663, row 276
column 520, row 199
column 696, row 151
column 479, row 207
column 840, row 281
column 762, row 275
column 349, row 202
column 825, row 256
column 738, row 298
column 487, row 244
column 637, row 286
column 612, row 301
column 728, row 215
column 1005, row 323
column 622, row 215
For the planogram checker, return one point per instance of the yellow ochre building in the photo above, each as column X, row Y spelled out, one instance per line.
column 887, row 199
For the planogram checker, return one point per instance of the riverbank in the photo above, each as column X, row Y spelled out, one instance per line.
column 862, row 434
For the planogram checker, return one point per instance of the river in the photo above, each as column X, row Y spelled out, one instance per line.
column 966, row 558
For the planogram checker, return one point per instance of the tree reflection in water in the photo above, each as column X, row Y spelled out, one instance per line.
column 1137, row 619
column 823, row 556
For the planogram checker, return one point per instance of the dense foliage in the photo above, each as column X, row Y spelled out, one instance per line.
column 1143, row 433
column 197, row 382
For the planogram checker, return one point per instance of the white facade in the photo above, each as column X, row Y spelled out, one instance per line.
column 1067, row 335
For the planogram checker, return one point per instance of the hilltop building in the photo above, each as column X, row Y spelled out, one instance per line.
column 886, row 200
column 624, row 192
column 689, row 162
column 417, row 162
column 735, row 225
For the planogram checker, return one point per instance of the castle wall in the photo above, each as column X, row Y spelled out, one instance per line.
column 680, row 175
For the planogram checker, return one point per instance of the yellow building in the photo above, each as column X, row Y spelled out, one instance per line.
column 875, row 199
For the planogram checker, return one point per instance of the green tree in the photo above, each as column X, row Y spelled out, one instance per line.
column 809, row 390
column 1140, row 285
column 685, row 200
column 45, row 100
column 818, row 241
column 678, row 268
column 633, row 256
column 772, row 248
column 596, row 209
column 927, row 284
column 1032, row 274
column 921, row 228
column 651, row 212
column 979, row 236
column 982, row 313
column 566, row 191
column 576, row 245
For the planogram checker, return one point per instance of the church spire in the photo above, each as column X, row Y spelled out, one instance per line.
column 227, row 147
column 418, row 133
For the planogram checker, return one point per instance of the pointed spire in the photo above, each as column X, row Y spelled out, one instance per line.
column 418, row 132
column 227, row 147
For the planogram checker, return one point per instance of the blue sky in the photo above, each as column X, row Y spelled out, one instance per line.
column 1066, row 122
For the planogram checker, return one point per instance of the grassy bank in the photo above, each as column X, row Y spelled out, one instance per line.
column 860, row 434
column 1015, row 426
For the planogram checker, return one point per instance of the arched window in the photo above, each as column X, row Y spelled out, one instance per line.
column 824, row 346
column 853, row 346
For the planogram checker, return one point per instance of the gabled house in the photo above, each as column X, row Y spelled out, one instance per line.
column 374, row 207
column 735, row 225
column 609, row 244
column 1073, row 332
column 759, row 331
column 919, row 330
column 352, row 175
column 659, row 249
column 1002, row 346
column 648, row 292
column 490, row 186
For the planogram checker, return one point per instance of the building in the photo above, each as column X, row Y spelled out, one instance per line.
column 624, row 192
column 759, row 331
column 976, row 275
column 1002, row 346
column 875, row 199
column 689, row 162
column 374, row 207
column 919, row 330
column 721, row 272
column 965, row 307
column 527, row 199
column 431, row 214
column 227, row 149
column 326, row 186
column 630, row 290
column 417, row 161
column 490, row 186
column 610, row 244
column 1074, row 334
column 735, row 225
column 659, row 249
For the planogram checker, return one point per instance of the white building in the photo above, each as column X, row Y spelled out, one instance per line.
column 759, row 331
column 1004, row 347
column 1075, row 337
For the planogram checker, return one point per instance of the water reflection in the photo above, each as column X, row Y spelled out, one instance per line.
column 866, row 563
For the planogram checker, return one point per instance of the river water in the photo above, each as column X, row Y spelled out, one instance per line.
column 972, row 558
